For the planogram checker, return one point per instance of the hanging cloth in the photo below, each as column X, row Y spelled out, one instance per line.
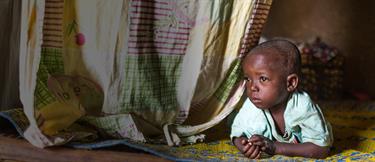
column 135, row 69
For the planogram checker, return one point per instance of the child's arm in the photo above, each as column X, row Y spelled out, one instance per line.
column 307, row 149
column 248, row 149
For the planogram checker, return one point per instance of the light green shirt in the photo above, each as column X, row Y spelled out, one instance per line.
column 304, row 121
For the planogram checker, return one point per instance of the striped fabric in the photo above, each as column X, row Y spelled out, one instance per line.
column 154, row 30
column 51, row 53
column 53, row 24
column 146, row 63
column 255, row 26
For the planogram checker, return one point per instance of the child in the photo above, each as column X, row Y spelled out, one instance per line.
column 277, row 118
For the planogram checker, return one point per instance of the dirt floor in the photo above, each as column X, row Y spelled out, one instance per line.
column 14, row 149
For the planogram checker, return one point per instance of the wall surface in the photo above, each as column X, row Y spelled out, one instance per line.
column 10, row 11
column 348, row 25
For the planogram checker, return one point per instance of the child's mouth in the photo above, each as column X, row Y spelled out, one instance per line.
column 255, row 100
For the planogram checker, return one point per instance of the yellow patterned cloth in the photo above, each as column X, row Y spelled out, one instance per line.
column 352, row 122
column 353, row 126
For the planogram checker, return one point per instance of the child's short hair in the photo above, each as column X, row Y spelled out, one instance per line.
column 284, row 48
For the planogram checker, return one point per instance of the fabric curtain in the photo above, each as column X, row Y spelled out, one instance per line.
column 144, row 70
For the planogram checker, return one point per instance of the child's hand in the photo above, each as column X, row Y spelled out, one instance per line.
column 247, row 148
column 264, row 143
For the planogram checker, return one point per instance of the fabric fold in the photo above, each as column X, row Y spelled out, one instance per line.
column 133, row 69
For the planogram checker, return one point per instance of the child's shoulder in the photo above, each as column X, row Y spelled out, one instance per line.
column 302, row 95
column 302, row 102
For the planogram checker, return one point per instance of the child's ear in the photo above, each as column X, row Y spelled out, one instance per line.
column 292, row 82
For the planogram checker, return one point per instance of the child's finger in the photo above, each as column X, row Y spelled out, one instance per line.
column 258, row 156
column 263, row 148
column 259, row 143
column 255, row 138
column 243, row 141
column 245, row 148
column 255, row 153
column 249, row 152
column 250, row 143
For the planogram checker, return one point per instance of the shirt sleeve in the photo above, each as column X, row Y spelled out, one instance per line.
column 314, row 128
column 239, row 125
column 248, row 121
column 237, row 129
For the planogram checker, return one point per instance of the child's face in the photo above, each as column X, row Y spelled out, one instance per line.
column 267, row 84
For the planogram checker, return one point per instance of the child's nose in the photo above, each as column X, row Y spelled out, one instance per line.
column 253, row 86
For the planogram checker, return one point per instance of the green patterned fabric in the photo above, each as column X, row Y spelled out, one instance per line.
column 51, row 62
column 234, row 76
column 126, row 66
column 150, row 83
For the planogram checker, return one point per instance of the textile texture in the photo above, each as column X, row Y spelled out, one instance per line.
column 127, row 68
column 352, row 122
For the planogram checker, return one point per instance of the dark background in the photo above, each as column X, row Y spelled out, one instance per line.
column 349, row 25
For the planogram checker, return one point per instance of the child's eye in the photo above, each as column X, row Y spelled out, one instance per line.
column 263, row 79
column 246, row 78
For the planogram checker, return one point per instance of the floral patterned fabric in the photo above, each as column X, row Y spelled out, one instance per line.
column 167, row 64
